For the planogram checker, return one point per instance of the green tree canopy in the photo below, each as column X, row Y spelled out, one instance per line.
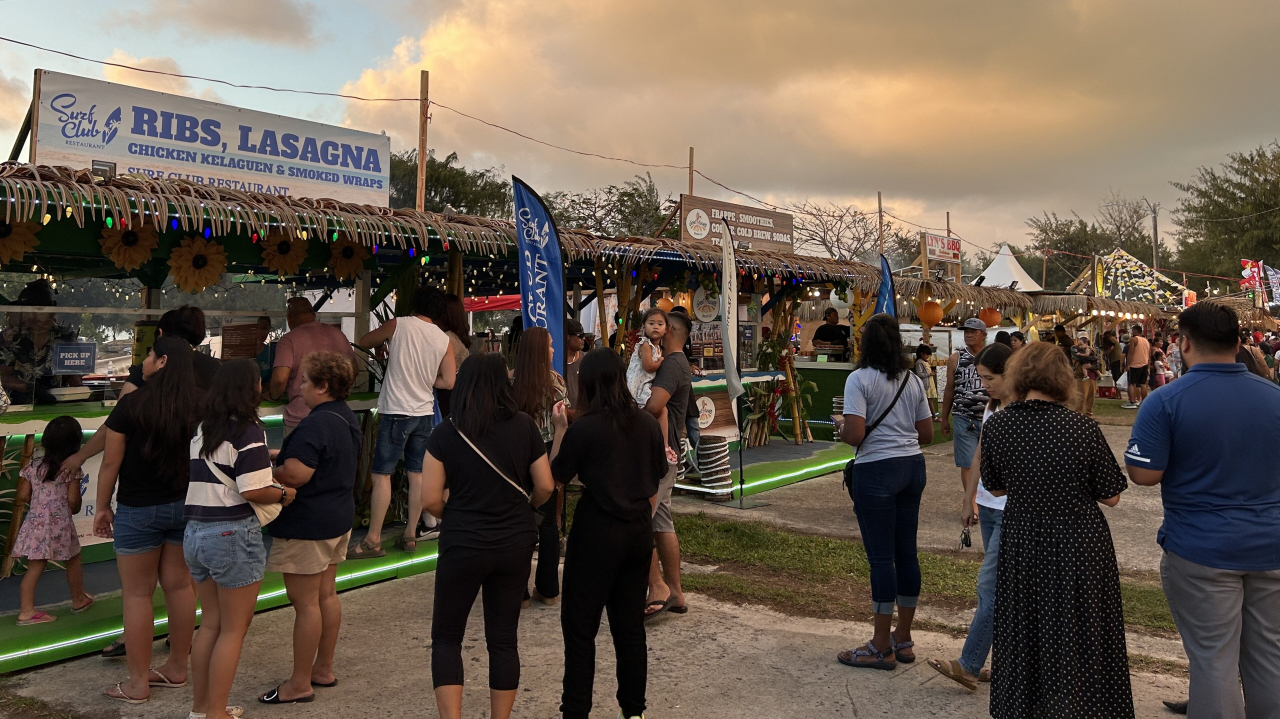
column 485, row 193
column 1231, row 212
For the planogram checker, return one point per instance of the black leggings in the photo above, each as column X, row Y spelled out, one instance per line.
column 546, row 578
column 461, row 573
column 606, row 567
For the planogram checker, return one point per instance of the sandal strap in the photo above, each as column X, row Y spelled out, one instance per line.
column 895, row 644
column 871, row 651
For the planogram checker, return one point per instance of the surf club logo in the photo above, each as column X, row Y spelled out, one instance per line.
column 698, row 224
column 534, row 266
column 532, row 233
column 81, row 124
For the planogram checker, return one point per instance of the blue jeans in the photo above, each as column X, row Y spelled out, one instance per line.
column 139, row 530
column 965, row 432
column 981, row 630
column 400, row 435
column 231, row 553
column 886, row 498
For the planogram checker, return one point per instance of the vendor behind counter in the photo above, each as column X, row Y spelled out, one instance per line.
column 833, row 334
column 26, row 347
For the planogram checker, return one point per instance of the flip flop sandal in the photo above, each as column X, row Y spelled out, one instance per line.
column 662, row 605
column 114, row 649
column 85, row 608
column 333, row 683
column 952, row 670
column 164, row 681
column 273, row 697
column 878, row 658
column 682, row 609
column 985, row 676
column 37, row 618
column 122, row 696
column 364, row 550
column 896, row 645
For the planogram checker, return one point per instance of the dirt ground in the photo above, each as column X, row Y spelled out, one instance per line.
column 821, row 506
column 717, row 662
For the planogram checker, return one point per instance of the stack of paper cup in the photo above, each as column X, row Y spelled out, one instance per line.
column 713, row 460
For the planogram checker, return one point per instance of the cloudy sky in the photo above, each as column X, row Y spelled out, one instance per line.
column 994, row 110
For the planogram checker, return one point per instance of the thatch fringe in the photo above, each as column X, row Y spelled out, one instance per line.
column 1249, row 315
column 29, row 191
column 1073, row 304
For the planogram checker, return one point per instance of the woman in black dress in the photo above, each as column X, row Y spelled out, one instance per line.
column 1059, row 624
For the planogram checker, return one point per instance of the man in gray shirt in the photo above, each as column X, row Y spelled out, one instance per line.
column 672, row 389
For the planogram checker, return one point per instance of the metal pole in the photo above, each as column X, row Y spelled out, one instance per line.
column 1155, row 238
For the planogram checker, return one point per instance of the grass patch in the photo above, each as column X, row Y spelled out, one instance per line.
column 1108, row 411
column 820, row 576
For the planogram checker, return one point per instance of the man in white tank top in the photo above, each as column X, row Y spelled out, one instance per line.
column 418, row 361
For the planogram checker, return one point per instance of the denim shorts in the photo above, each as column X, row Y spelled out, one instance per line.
column 139, row 530
column 966, row 432
column 230, row 553
column 400, row 435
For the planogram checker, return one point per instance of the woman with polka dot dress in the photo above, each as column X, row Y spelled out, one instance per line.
column 1059, row 625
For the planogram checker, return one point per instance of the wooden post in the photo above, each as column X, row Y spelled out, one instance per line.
column 690, row 170
column 454, row 281
column 924, row 257
column 880, row 212
column 604, row 334
column 424, row 115
column 1044, row 268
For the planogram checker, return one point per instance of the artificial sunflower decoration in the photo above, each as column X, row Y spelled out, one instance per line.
column 17, row 239
column 283, row 255
column 347, row 259
column 129, row 247
column 196, row 264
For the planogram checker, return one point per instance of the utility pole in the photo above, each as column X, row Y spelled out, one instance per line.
column 880, row 212
column 1044, row 269
column 1154, row 209
column 424, row 115
column 690, row 170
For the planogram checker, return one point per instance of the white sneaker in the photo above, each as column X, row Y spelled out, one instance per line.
column 1128, row 405
column 622, row 716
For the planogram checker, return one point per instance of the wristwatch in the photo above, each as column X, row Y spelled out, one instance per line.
column 283, row 494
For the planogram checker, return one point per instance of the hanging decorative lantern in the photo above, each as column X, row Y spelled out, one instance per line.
column 990, row 316
column 930, row 313
column 665, row 304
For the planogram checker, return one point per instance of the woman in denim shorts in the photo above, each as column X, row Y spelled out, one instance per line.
column 230, row 467
column 147, row 436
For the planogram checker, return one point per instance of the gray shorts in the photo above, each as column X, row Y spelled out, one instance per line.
column 662, row 521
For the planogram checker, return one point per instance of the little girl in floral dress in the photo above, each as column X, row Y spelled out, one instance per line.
column 48, row 533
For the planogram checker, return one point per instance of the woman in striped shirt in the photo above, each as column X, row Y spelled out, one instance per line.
column 230, row 468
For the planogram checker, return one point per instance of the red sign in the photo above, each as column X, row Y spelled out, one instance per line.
column 941, row 248
column 1188, row 298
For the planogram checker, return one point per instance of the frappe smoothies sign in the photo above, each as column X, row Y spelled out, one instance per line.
column 80, row 121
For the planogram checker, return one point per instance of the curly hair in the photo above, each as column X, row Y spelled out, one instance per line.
column 1040, row 367
column 334, row 371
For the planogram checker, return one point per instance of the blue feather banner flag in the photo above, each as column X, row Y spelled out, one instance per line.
column 885, row 297
column 541, row 267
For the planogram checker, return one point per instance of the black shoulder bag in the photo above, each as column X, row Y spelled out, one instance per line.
column 848, row 468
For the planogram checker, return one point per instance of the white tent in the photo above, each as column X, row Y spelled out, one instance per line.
column 1004, row 270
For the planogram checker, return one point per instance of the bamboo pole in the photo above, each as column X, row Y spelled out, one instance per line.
column 16, row 514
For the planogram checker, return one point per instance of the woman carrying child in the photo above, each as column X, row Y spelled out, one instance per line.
column 48, row 533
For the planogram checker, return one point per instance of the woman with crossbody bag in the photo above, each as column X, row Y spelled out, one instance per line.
column 485, row 470
column 887, row 480
column 230, row 496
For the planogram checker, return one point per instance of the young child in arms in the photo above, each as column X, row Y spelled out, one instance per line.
column 646, row 358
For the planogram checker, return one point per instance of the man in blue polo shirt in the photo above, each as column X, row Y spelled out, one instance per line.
column 1208, row 440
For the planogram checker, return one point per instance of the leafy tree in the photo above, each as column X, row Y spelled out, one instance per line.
column 485, row 193
column 635, row 208
column 1072, row 237
column 1231, row 212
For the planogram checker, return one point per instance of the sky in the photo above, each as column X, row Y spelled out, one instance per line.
column 992, row 110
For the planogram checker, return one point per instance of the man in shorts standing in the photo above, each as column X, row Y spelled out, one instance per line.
column 965, row 398
column 673, row 389
column 418, row 362
column 1136, row 361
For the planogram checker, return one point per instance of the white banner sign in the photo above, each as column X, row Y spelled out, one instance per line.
column 942, row 248
column 80, row 121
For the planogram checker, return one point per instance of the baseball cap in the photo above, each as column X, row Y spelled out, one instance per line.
column 973, row 323
column 572, row 327
column 1082, row 335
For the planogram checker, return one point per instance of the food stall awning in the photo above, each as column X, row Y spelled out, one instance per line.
column 491, row 304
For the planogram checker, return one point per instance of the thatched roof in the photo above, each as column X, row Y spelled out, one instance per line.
column 30, row 191
column 1248, row 313
column 1072, row 304
column 969, row 299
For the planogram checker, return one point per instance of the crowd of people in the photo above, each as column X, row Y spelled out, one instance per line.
column 203, row 508
column 1035, row 469
column 196, row 503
